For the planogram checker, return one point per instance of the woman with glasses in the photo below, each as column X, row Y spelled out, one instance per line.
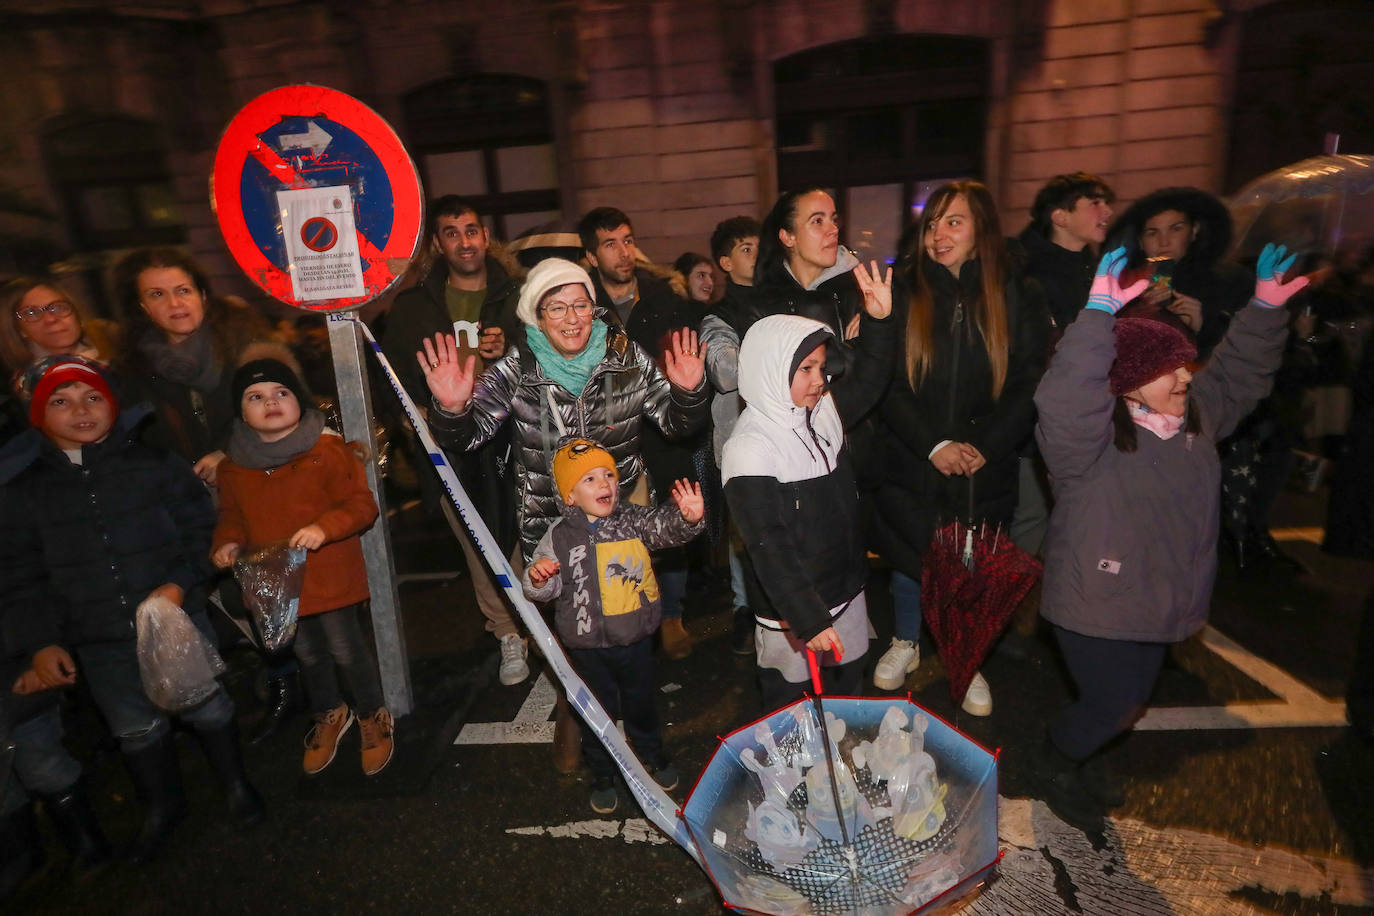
column 576, row 376
column 42, row 320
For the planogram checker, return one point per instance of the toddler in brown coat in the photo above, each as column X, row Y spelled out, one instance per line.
column 290, row 479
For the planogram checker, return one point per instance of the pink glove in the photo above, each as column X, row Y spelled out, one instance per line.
column 1270, row 291
column 1106, row 294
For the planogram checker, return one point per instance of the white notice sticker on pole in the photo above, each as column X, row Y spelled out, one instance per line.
column 321, row 243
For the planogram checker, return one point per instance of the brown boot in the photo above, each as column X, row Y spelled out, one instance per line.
column 677, row 642
column 567, row 737
column 377, row 743
column 322, row 742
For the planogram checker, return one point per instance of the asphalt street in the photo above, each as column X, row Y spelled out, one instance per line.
column 1245, row 792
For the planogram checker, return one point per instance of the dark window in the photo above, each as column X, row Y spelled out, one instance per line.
column 112, row 178
column 879, row 120
column 487, row 138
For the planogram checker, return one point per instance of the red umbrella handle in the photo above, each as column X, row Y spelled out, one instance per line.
column 815, row 665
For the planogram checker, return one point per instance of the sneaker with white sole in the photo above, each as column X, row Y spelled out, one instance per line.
column 897, row 662
column 514, row 660
column 604, row 798
column 978, row 699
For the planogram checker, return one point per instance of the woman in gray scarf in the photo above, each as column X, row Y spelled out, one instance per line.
column 180, row 348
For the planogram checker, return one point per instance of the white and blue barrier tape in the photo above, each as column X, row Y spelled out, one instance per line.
column 657, row 805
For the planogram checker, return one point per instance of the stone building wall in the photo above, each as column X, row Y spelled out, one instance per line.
column 661, row 107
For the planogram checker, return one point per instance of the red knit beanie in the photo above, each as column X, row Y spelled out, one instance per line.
column 56, row 371
column 1145, row 350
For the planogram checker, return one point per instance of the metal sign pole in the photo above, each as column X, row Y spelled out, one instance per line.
column 355, row 405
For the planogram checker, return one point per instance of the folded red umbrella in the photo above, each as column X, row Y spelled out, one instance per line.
column 973, row 577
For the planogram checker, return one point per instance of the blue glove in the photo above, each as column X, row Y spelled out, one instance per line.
column 1106, row 294
column 1270, row 291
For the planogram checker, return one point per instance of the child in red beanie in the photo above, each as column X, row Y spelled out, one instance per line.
column 96, row 523
column 1129, row 429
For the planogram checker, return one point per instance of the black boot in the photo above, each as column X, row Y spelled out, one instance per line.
column 226, row 759
column 1265, row 549
column 1061, row 786
column 283, row 702
column 74, row 820
column 21, row 850
column 157, row 780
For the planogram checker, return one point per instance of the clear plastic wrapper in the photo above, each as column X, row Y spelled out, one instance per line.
column 271, row 579
column 176, row 661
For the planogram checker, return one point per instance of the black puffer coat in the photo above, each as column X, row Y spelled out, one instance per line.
column 85, row 544
column 955, row 402
column 1223, row 288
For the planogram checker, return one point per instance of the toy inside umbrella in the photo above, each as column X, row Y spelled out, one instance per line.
column 845, row 805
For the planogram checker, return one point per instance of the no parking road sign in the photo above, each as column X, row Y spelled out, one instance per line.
column 316, row 197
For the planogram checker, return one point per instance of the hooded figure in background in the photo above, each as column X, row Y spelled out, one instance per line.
column 1181, row 235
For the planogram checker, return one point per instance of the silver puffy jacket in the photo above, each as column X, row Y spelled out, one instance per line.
column 624, row 389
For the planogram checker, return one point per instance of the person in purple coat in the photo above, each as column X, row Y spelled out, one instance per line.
column 1129, row 435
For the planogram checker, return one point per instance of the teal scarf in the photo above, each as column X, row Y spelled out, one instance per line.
column 571, row 373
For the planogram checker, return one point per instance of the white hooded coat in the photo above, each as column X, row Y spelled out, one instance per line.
column 788, row 478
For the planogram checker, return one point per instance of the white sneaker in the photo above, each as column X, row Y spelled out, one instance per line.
column 978, row 700
column 514, row 667
column 897, row 662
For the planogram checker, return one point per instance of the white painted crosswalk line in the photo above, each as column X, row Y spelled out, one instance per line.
column 531, row 724
column 1298, row 706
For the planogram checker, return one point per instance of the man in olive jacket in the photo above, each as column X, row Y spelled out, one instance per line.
column 471, row 293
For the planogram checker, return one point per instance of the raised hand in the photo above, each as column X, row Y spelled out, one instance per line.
column 1270, row 290
column 877, row 290
column 684, row 362
column 689, row 500
column 450, row 383
column 1106, row 294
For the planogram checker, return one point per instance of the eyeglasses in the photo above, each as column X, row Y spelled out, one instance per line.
column 557, row 311
column 59, row 308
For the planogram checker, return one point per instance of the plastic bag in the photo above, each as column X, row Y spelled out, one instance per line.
column 271, row 580
column 177, row 663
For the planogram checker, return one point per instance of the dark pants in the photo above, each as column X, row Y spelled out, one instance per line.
column 336, row 638
column 839, row 681
column 622, row 680
column 1115, row 678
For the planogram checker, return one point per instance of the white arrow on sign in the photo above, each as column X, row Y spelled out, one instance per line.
column 315, row 138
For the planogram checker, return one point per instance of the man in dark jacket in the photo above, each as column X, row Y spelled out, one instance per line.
column 472, row 294
column 1058, row 250
column 650, row 304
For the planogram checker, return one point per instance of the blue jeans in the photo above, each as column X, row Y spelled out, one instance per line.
column 670, row 568
column 741, row 597
column 906, row 606
column 622, row 680
column 111, row 668
column 42, row 764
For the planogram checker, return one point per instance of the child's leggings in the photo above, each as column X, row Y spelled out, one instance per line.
column 1115, row 678
column 336, row 637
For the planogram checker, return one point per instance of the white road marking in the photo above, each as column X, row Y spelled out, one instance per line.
column 531, row 724
column 1298, row 706
column 1140, row 869
column 634, row 830
column 1311, row 535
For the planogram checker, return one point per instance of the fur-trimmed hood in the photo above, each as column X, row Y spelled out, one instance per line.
column 1205, row 210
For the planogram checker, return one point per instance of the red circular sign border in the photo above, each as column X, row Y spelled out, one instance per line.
column 240, row 140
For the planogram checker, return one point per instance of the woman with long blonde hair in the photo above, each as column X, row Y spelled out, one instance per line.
column 959, row 409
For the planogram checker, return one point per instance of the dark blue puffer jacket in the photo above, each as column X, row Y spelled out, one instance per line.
column 85, row 544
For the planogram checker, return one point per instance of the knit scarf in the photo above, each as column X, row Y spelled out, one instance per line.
column 574, row 372
column 1162, row 425
column 191, row 362
column 248, row 450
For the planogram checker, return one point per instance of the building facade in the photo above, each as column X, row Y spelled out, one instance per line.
column 680, row 112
